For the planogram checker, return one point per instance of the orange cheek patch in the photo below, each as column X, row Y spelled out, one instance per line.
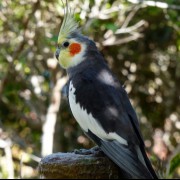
column 74, row 48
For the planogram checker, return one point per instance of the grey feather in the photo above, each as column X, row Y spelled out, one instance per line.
column 125, row 159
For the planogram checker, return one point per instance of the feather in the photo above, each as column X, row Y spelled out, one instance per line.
column 123, row 156
column 125, row 159
column 69, row 25
column 101, row 99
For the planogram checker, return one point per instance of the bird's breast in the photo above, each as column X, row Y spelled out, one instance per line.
column 85, row 120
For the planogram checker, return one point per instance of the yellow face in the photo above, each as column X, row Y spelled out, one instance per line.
column 70, row 52
column 64, row 57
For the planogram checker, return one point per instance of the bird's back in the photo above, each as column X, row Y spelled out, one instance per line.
column 102, row 108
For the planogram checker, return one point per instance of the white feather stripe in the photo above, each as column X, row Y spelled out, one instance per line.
column 87, row 122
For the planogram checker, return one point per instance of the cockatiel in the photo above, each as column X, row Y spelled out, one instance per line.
column 99, row 103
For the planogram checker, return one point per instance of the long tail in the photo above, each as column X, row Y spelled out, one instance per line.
column 125, row 159
column 130, row 161
column 148, row 163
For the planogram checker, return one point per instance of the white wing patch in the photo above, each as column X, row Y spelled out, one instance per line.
column 87, row 122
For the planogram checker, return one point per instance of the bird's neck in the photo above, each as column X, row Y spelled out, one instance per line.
column 96, row 61
column 73, row 71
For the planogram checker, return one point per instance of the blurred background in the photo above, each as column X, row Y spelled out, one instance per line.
column 141, row 42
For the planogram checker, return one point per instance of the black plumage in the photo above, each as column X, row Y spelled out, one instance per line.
column 99, row 93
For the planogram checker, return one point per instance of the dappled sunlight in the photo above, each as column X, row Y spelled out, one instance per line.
column 139, row 40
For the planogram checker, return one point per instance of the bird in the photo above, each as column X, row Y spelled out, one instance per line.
column 99, row 102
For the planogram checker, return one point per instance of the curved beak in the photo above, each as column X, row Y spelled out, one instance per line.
column 57, row 53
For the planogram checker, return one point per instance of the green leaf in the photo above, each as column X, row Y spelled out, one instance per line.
column 175, row 162
column 54, row 38
column 111, row 26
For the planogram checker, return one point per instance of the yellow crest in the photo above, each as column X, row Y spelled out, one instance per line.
column 69, row 25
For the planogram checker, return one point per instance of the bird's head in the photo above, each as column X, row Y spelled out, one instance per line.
column 71, row 44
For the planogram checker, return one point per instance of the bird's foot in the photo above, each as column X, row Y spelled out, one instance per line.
column 82, row 151
column 95, row 151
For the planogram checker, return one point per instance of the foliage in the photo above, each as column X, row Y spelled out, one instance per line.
column 141, row 43
column 174, row 164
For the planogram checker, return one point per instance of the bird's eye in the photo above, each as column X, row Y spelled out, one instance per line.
column 66, row 44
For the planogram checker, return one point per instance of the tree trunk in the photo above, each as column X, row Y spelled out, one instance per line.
column 82, row 164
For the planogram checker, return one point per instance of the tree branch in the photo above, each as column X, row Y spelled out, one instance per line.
column 78, row 166
column 158, row 4
column 114, row 41
column 130, row 16
column 51, row 116
column 131, row 28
